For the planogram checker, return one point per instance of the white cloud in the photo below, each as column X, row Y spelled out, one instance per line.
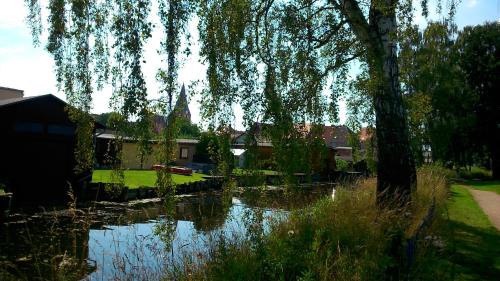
column 472, row 3
column 12, row 14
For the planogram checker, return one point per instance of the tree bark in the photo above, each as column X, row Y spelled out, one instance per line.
column 495, row 160
column 396, row 168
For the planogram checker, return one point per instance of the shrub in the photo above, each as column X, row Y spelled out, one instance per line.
column 474, row 173
column 342, row 165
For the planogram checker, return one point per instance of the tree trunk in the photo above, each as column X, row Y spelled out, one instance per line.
column 396, row 168
column 495, row 162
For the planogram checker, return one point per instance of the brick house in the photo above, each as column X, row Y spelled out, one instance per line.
column 336, row 140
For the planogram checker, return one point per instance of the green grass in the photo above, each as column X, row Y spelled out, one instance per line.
column 474, row 244
column 240, row 171
column 137, row 178
column 485, row 185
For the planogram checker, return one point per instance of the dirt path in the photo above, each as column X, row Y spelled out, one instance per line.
column 490, row 203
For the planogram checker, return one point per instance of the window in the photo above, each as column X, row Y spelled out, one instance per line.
column 184, row 152
column 61, row 130
column 28, row 127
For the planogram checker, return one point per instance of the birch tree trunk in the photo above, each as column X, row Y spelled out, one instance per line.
column 396, row 169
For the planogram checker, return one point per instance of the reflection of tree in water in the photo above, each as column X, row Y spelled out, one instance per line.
column 45, row 249
column 206, row 211
column 282, row 199
column 167, row 224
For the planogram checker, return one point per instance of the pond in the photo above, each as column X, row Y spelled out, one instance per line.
column 136, row 240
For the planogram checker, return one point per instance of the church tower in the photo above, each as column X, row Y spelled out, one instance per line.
column 181, row 106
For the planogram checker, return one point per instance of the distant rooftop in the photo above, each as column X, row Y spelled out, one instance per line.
column 111, row 135
column 9, row 101
column 10, row 89
column 9, row 93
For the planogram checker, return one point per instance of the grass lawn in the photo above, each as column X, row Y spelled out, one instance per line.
column 137, row 178
column 485, row 185
column 240, row 171
column 474, row 243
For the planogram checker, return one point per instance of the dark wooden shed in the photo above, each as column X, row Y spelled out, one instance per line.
column 37, row 150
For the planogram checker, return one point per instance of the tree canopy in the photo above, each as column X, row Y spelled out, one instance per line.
column 285, row 62
column 450, row 80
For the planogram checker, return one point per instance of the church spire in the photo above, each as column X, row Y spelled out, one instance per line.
column 181, row 106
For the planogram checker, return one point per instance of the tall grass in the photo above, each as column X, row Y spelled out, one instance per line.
column 348, row 238
column 56, row 249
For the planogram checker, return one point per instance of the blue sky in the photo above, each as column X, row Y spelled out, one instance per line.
column 25, row 67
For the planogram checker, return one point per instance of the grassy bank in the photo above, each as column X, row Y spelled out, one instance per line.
column 240, row 172
column 485, row 185
column 348, row 238
column 474, row 244
column 137, row 178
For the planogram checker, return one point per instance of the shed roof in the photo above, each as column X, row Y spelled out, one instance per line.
column 13, row 101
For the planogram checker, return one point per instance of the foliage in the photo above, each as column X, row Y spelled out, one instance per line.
column 348, row 238
column 479, row 49
column 439, row 100
column 103, row 118
column 449, row 110
column 274, row 58
column 342, row 165
column 188, row 130
column 474, row 173
column 206, row 148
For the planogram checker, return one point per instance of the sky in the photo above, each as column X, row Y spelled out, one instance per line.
column 29, row 68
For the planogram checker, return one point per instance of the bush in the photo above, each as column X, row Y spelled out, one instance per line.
column 342, row 165
column 474, row 173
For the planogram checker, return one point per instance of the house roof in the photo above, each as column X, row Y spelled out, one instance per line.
column 187, row 141
column 340, row 136
column 110, row 135
column 333, row 136
column 11, row 89
column 365, row 133
column 14, row 101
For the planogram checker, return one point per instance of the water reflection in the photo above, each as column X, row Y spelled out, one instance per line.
column 40, row 246
column 130, row 242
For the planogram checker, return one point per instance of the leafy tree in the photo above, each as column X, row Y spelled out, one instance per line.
column 187, row 129
column 479, row 58
column 206, row 148
column 103, row 118
column 274, row 57
column 439, row 101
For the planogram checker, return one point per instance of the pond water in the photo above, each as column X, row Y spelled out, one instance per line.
column 139, row 240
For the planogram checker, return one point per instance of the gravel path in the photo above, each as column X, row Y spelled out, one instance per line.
column 490, row 203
